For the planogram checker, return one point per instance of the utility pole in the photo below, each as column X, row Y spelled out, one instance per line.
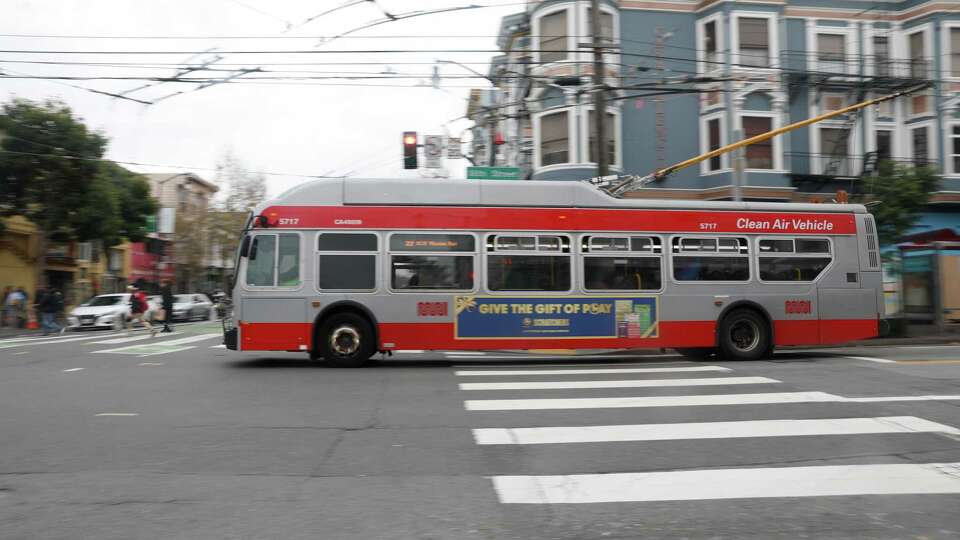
column 599, row 91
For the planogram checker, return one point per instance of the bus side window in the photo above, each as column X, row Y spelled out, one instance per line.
column 260, row 264
column 288, row 265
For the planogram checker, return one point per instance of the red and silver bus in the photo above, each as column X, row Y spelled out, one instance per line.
column 342, row 269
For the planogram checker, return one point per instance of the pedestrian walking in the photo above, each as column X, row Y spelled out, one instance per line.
column 138, row 306
column 17, row 307
column 4, row 312
column 48, row 305
column 166, row 299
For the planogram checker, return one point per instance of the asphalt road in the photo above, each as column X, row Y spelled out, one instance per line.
column 176, row 438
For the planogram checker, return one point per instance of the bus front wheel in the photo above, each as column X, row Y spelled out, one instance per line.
column 345, row 340
column 744, row 335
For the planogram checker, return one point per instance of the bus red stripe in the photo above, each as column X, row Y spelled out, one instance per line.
column 557, row 219
column 289, row 336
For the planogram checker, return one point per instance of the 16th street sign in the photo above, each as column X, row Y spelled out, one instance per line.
column 493, row 173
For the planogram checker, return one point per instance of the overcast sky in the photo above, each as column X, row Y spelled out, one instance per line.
column 305, row 127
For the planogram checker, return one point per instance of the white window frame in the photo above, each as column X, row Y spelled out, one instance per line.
column 777, row 141
column 573, row 254
column 948, row 147
column 931, row 140
column 276, row 262
column 377, row 276
column 705, row 143
column 584, row 255
column 702, row 65
column 584, row 54
column 84, row 251
column 908, row 105
column 572, row 154
column 871, row 32
column 894, row 138
column 820, row 158
column 946, row 53
column 927, row 30
column 389, row 253
column 757, row 254
column 588, row 128
column 773, row 35
column 571, row 32
column 850, row 48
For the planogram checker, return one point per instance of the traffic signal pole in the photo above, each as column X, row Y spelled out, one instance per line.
column 599, row 92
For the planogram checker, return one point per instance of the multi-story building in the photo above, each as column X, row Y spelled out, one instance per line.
column 182, row 255
column 752, row 66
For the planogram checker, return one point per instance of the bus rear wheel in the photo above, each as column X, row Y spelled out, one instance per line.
column 345, row 340
column 744, row 335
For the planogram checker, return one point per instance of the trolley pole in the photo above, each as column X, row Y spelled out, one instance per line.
column 599, row 92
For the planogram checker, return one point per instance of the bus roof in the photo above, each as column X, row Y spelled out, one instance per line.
column 505, row 193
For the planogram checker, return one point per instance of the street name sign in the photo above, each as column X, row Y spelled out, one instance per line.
column 493, row 173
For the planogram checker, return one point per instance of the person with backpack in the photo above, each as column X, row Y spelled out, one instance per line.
column 48, row 304
column 138, row 307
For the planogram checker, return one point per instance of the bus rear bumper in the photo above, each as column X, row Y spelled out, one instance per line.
column 230, row 334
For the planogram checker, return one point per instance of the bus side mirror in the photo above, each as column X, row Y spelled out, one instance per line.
column 245, row 247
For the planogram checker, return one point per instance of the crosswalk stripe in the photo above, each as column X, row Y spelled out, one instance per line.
column 45, row 341
column 641, row 383
column 149, row 348
column 680, row 401
column 133, row 338
column 601, row 371
column 819, row 481
column 710, row 430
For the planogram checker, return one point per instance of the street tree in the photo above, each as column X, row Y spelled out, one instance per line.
column 898, row 195
column 52, row 172
column 245, row 188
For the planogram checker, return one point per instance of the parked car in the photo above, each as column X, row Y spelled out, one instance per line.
column 103, row 311
column 190, row 307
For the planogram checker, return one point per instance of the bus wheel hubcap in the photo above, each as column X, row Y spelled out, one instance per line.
column 745, row 335
column 345, row 340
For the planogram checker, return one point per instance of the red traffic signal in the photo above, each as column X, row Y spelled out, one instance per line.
column 409, row 149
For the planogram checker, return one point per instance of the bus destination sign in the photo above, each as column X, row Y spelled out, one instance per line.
column 479, row 317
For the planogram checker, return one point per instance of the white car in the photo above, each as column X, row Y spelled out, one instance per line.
column 104, row 311
column 189, row 307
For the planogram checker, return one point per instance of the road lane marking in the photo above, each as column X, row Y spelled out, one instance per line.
column 710, row 430
column 933, row 362
column 220, row 346
column 872, row 359
column 680, row 401
column 410, row 351
column 46, row 341
column 21, row 352
column 133, row 338
column 73, row 369
column 160, row 347
column 150, row 364
column 118, row 414
column 465, row 353
column 573, row 360
column 635, row 383
column 599, row 371
column 817, row 481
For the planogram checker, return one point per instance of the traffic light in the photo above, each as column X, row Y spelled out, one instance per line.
column 409, row 149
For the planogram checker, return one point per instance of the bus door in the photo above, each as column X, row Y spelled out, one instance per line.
column 272, row 311
column 850, row 303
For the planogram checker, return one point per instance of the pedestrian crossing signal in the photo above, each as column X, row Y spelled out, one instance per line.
column 409, row 149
